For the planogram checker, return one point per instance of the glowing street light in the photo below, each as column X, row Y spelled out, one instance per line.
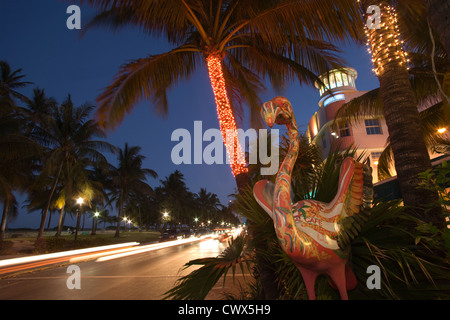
column 441, row 130
column 94, row 223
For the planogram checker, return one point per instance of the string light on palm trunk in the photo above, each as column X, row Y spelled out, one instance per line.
column 225, row 114
column 385, row 43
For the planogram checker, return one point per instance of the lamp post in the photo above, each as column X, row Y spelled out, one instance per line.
column 80, row 201
column 124, row 224
column 94, row 223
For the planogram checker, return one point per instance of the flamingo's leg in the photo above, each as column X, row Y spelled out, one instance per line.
column 309, row 277
column 337, row 274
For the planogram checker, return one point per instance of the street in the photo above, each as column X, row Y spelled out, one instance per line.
column 143, row 276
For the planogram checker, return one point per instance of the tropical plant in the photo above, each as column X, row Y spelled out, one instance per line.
column 425, row 66
column 68, row 139
column 239, row 42
column 176, row 198
column 208, row 205
column 413, row 262
column 129, row 178
column 18, row 151
column 198, row 283
column 437, row 17
column 399, row 107
column 11, row 81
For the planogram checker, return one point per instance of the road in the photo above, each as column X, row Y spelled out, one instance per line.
column 144, row 276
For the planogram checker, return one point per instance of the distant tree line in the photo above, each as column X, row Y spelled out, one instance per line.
column 55, row 153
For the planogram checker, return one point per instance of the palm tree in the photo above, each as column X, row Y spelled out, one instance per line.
column 11, row 81
column 239, row 42
column 177, row 198
column 208, row 204
column 438, row 19
column 17, row 150
column 426, row 94
column 400, row 108
column 129, row 178
column 68, row 137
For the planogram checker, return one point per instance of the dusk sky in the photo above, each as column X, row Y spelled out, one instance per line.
column 34, row 37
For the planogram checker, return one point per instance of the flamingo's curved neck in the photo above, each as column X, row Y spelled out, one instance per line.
column 282, row 193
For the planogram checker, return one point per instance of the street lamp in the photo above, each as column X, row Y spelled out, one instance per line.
column 94, row 223
column 80, row 201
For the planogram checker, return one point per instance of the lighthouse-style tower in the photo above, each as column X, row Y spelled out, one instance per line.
column 369, row 135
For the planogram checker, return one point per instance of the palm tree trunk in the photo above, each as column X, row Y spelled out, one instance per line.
column 439, row 18
column 237, row 162
column 225, row 113
column 60, row 222
column 52, row 191
column 49, row 220
column 117, row 234
column 401, row 115
column 4, row 218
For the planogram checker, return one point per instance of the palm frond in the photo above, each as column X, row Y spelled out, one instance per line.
column 197, row 284
column 145, row 79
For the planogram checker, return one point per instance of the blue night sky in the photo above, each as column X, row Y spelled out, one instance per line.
column 34, row 37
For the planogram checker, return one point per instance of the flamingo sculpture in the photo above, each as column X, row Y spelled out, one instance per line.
column 315, row 235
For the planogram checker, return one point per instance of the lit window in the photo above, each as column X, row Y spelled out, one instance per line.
column 338, row 79
column 341, row 129
column 373, row 126
column 375, row 157
column 332, row 81
column 345, row 79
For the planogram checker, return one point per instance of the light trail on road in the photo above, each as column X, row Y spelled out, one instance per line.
column 102, row 253
column 150, row 247
column 24, row 263
column 21, row 260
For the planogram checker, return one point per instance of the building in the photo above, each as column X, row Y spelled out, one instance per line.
column 368, row 135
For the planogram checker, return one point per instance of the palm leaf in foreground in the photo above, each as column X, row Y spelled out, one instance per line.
column 197, row 284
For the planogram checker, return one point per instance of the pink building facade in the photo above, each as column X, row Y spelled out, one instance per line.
column 368, row 135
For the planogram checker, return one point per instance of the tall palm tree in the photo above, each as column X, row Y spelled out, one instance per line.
column 426, row 93
column 399, row 106
column 239, row 42
column 17, row 150
column 129, row 178
column 69, row 138
column 176, row 197
column 208, row 204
